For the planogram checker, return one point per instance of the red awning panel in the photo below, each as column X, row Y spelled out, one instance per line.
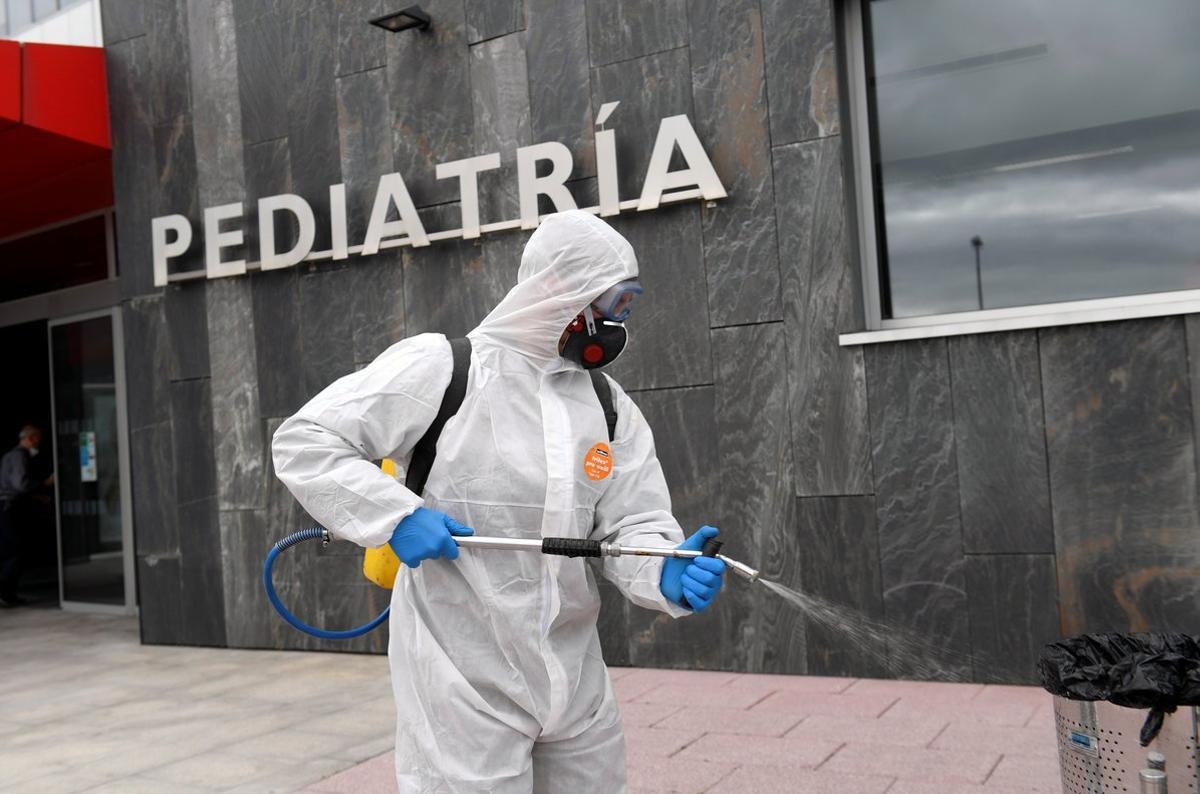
column 55, row 151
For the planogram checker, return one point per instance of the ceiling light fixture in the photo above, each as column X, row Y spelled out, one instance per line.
column 405, row 18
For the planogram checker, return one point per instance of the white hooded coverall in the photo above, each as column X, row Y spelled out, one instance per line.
column 495, row 657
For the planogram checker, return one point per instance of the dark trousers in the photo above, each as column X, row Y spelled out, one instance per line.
column 10, row 550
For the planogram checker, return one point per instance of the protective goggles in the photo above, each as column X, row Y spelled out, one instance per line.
column 616, row 302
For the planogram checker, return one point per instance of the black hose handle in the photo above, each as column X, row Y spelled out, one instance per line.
column 571, row 547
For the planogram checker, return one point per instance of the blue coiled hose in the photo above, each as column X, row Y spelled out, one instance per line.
column 316, row 533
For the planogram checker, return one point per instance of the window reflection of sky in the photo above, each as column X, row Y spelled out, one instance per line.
column 1064, row 134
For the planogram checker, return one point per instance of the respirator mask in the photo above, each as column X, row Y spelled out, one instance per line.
column 597, row 336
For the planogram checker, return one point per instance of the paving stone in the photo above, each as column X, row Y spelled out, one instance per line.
column 869, row 706
column 792, row 683
column 645, row 714
column 677, row 776
column 934, row 767
column 1032, row 773
column 1039, row 741
column 787, row 779
column 658, row 742
column 925, row 691
column 731, row 720
column 757, row 750
column 702, row 696
column 852, row 729
column 917, row 710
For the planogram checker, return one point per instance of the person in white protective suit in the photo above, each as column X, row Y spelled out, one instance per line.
column 495, row 657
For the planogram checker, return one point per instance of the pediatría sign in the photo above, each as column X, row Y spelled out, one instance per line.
column 172, row 234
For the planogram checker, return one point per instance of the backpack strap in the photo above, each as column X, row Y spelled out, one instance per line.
column 426, row 449
column 604, row 394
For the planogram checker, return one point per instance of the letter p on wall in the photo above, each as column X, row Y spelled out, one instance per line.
column 162, row 249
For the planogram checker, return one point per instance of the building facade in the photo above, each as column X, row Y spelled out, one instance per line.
column 987, row 482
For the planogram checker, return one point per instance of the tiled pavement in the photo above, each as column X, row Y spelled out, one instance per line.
column 84, row 707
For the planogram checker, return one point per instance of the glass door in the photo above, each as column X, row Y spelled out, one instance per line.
column 91, row 464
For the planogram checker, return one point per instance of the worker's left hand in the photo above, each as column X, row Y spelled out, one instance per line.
column 693, row 583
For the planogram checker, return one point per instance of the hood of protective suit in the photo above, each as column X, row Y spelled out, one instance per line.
column 568, row 262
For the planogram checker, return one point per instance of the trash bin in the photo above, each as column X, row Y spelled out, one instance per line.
column 1119, row 697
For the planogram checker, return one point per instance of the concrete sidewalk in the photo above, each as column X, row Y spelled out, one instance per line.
column 85, row 707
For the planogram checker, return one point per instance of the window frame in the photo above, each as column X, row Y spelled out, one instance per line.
column 875, row 328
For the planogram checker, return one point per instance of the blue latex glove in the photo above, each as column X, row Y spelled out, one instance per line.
column 426, row 535
column 694, row 583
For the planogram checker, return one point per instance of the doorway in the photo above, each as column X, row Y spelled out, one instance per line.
column 26, row 401
column 91, row 463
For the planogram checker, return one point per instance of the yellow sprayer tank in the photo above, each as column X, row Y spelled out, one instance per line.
column 381, row 564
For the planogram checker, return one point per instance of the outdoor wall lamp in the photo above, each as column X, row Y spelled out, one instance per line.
column 405, row 18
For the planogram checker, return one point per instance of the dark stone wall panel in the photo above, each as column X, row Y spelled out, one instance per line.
column 741, row 255
column 433, row 119
column 682, row 421
column 148, row 359
column 556, row 50
column 186, row 309
column 669, row 341
column 377, row 304
column 250, row 620
column 500, row 100
column 488, row 19
column 830, row 428
column 167, row 85
column 802, row 79
column 361, row 45
column 160, row 613
column 151, row 452
column 239, row 447
column 135, row 172
column 312, row 109
column 216, row 107
column 365, row 130
column 202, row 590
column 122, row 20
column 327, row 328
column 613, row 624
column 916, row 487
column 619, row 30
column 482, row 271
column 836, row 541
column 649, row 89
column 1013, row 600
column 191, row 411
column 278, row 346
column 263, row 42
column 1000, row 444
column 1119, row 430
column 753, row 505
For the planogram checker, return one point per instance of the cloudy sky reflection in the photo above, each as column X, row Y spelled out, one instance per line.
column 1064, row 134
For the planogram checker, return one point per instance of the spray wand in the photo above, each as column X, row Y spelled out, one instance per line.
column 566, row 547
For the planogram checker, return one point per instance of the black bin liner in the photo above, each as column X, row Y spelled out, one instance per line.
column 1159, row 672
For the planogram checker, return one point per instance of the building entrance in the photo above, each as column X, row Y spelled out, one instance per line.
column 91, row 460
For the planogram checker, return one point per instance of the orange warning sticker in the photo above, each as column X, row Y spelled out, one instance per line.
column 597, row 463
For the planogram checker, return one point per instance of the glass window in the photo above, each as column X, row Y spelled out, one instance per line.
column 20, row 16
column 1033, row 151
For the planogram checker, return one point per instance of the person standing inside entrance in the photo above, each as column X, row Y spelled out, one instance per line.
column 496, row 666
column 17, row 488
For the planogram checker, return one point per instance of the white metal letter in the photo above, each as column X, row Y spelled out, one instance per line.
column 553, row 185
column 163, row 250
column 392, row 191
column 672, row 131
column 269, row 259
column 606, row 173
column 337, row 221
column 467, row 172
column 215, row 240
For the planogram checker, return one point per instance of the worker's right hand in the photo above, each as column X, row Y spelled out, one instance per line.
column 426, row 535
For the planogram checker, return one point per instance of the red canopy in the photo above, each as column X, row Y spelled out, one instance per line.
column 55, row 151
